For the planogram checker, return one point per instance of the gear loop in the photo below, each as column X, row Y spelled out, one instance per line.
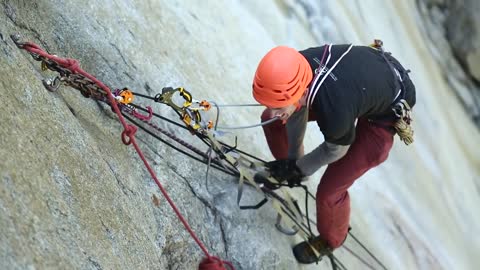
column 128, row 132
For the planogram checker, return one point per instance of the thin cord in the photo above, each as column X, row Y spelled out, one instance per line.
column 240, row 105
column 306, row 209
column 251, row 126
column 235, row 105
column 368, row 251
column 336, row 262
column 358, row 257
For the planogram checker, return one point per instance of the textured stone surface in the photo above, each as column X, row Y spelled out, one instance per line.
column 454, row 30
column 463, row 32
column 72, row 196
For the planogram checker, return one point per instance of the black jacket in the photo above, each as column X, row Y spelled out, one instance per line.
column 360, row 85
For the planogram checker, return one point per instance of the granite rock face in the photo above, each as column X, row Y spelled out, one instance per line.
column 463, row 32
column 72, row 196
column 454, row 29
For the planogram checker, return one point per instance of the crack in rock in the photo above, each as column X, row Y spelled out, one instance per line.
column 208, row 205
column 12, row 16
column 123, row 187
column 129, row 76
column 201, row 199
column 94, row 263
column 224, row 237
column 123, row 57
column 148, row 88
column 108, row 231
column 131, row 33
column 119, row 53
column 105, row 60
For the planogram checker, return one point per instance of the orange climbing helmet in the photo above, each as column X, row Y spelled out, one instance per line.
column 281, row 78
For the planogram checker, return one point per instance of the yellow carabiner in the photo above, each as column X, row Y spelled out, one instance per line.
column 187, row 96
column 44, row 66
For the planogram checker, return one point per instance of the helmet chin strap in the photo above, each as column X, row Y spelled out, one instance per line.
column 298, row 106
column 302, row 102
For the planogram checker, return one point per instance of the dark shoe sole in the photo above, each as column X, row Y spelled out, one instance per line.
column 299, row 253
column 304, row 254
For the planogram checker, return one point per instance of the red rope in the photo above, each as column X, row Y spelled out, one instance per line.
column 214, row 263
column 128, row 137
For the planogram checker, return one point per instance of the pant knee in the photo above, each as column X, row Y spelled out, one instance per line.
column 331, row 200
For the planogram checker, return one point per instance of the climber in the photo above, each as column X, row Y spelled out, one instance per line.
column 360, row 97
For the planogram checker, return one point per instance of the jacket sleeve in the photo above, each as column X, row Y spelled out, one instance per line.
column 324, row 154
column 296, row 126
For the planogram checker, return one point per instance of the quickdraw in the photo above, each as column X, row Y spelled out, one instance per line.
column 229, row 159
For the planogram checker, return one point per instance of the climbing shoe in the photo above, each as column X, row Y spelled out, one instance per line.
column 305, row 254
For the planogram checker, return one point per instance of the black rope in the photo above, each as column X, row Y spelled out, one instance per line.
column 183, row 127
column 220, row 155
column 160, row 117
column 175, row 147
column 306, row 208
column 301, row 226
column 368, row 251
column 358, row 257
column 336, row 262
column 332, row 262
column 289, row 212
column 144, row 96
column 234, row 172
column 53, row 66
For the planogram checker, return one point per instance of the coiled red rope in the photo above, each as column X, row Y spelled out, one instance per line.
column 128, row 137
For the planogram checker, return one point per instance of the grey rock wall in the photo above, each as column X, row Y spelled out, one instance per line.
column 454, row 28
column 463, row 32
column 72, row 196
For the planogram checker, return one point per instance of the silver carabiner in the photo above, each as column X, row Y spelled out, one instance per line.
column 52, row 84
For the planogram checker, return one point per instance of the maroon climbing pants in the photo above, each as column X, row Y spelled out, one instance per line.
column 370, row 148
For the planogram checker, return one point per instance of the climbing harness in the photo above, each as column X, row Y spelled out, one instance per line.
column 221, row 156
column 315, row 86
column 400, row 107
